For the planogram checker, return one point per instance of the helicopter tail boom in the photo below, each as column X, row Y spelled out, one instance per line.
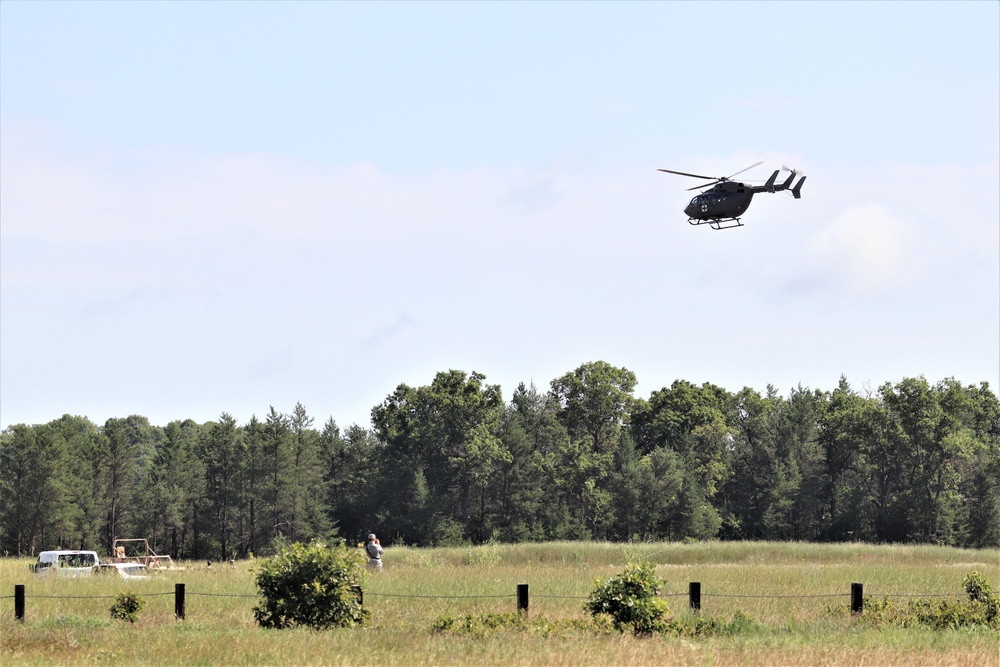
column 797, row 190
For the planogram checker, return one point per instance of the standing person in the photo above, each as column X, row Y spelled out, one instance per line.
column 374, row 551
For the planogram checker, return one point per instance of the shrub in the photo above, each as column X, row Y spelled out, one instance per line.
column 310, row 585
column 126, row 607
column 979, row 590
column 630, row 600
column 982, row 608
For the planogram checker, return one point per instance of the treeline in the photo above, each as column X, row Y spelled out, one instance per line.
column 452, row 462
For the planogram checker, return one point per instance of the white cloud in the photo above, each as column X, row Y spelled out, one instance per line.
column 867, row 250
column 959, row 205
column 855, row 229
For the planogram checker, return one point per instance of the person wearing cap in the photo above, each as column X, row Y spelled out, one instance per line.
column 374, row 551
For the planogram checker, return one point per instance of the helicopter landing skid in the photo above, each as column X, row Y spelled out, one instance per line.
column 717, row 223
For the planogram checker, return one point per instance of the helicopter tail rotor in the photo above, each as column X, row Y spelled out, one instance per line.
column 787, row 185
column 797, row 190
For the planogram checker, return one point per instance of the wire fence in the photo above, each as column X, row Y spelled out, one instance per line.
column 441, row 597
column 501, row 597
column 694, row 595
column 774, row 597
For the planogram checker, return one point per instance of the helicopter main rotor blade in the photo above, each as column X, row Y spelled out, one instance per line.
column 756, row 164
column 704, row 185
column 681, row 173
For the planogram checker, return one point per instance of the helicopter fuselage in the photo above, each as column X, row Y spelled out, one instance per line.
column 725, row 201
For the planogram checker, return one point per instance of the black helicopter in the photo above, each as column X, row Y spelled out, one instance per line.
column 722, row 206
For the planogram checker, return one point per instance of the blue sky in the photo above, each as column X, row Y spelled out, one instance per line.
column 211, row 207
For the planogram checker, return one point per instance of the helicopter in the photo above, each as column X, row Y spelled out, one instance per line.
column 722, row 206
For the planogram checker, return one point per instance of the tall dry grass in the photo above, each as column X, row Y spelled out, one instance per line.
column 68, row 620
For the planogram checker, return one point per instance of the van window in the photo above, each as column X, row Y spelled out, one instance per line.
column 76, row 560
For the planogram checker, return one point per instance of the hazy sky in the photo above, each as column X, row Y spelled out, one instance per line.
column 210, row 207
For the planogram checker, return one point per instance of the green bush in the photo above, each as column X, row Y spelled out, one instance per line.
column 127, row 607
column 979, row 590
column 630, row 600
column 982, row 608
column 310, row 585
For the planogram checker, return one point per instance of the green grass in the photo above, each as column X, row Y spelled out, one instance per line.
column 219, row 628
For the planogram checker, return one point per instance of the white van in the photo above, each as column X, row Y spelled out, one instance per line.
column 67, row 563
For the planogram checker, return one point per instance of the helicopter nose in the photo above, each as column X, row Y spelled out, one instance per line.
column 691, row 210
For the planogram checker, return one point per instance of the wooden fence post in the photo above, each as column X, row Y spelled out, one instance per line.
column 179, row 601
column 19, row 602
column 857, row 599
column 694, row 595
column 522, row 599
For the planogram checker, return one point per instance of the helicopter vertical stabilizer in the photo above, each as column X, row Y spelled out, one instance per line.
column 788, row 182
column 797, row 190
column 769, row 186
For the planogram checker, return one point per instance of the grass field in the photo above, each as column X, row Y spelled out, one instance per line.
column 67, row 621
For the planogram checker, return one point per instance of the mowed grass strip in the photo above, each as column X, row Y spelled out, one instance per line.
column 68, row 621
